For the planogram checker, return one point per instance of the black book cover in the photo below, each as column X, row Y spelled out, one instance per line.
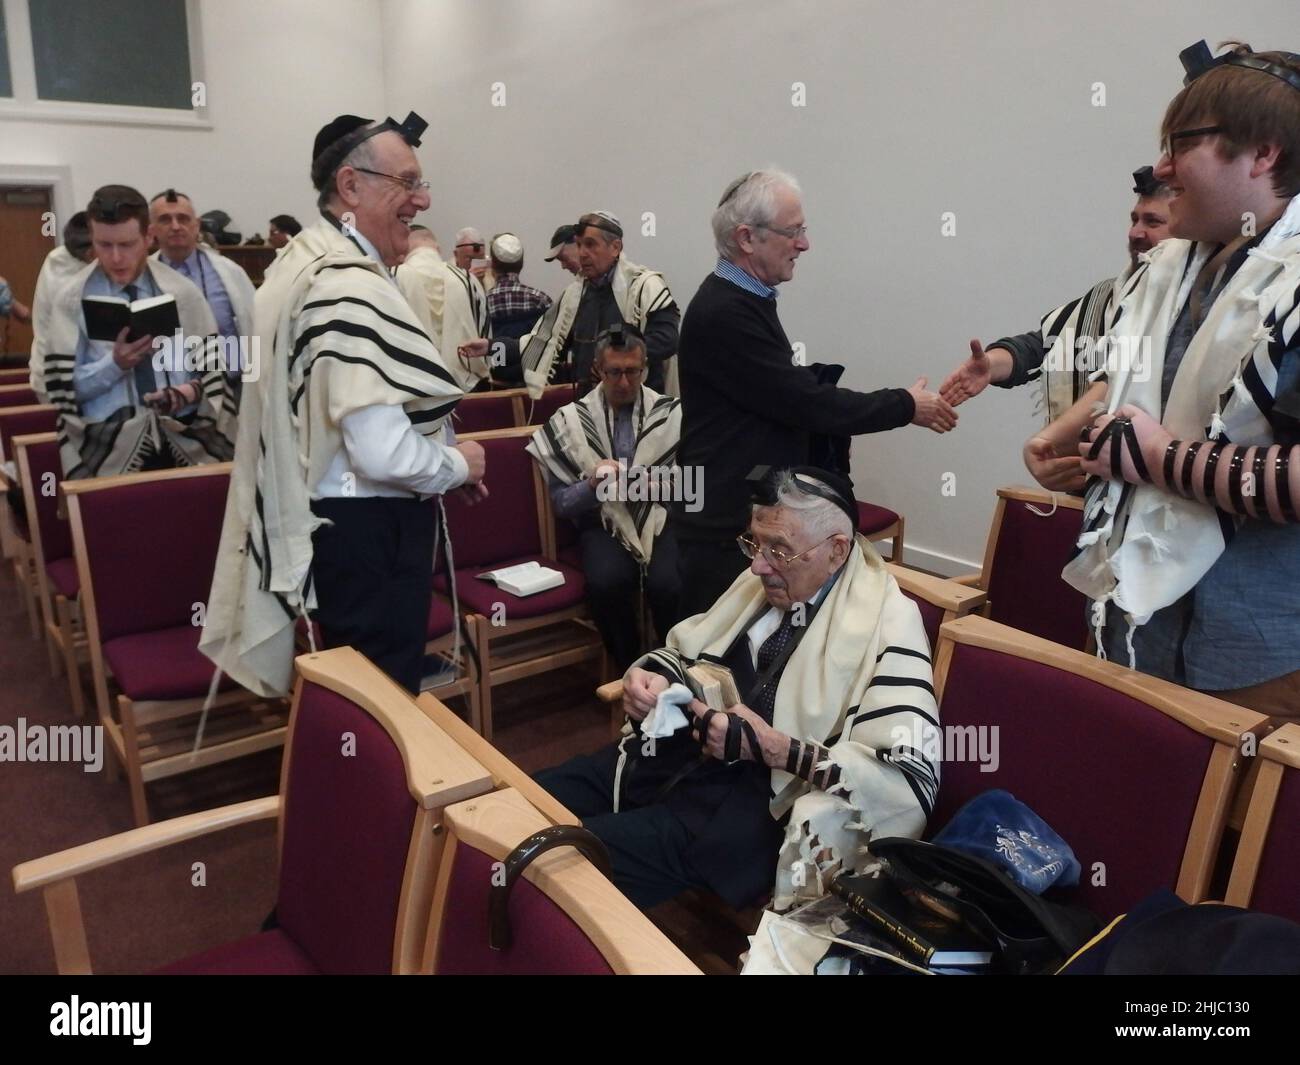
column 155, row 316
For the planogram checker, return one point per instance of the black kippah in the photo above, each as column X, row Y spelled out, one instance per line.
column 833, row 487
column 329, row 147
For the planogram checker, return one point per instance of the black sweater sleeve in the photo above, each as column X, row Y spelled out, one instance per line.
column 761, row 376
column 1027, row 354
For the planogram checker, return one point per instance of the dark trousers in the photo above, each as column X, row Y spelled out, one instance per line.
column 373, row 574
column 706, row 569
column 647, row 846
column 614, row 590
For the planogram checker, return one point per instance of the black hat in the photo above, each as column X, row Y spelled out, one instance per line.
column 1145, row 183
column 562, row 236
column 835, row 487
column 336, row 139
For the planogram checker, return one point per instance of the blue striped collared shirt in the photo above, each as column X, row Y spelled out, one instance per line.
column 729, row 271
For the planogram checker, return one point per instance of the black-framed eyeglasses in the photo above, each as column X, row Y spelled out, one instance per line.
column 629, row 372
column 410, row 184
column 1170, row 145
column 792, row 232
column 774, row 555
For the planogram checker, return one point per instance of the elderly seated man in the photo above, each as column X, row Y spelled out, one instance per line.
column 609, row 458
column 831, row 744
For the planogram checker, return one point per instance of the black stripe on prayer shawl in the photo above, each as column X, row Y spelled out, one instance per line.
column 263, row 580
column 261, row 527
column 1258, row 390
column 919, row 792
column 369, row 306
column 365, row 332
column 553, row 439
column 1054, row 327
column 913, row 761
column 887, row 711
column 902, row 682
column 592, row 434
column 1276, row 323
column 892, row 649
column 422, row 417
column 659, row 302
column 306, row 375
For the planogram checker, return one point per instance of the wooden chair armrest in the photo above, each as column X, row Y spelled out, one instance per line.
column 40, row 872
column 57, row 873
column 971, row 580
column 948, row 595
column 611, row 692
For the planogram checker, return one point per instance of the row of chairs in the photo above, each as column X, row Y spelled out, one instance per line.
column 416, row 852
column 1136, row 774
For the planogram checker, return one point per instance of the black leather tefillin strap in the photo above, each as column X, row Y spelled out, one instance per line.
column 1119, row 431
column 737, row 729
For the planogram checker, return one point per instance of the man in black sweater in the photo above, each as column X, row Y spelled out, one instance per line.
column 745, row 401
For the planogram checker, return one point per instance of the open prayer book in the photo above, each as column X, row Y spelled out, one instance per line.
column 527, row 578
column 155, row 316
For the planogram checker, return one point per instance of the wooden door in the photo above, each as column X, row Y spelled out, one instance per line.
column 27, row 234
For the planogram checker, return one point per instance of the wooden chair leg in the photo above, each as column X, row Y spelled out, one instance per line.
column 25, row 578
column 68, row 640
column 896, row 551
column 52, row 649
column 134, row 778
column 484, row 639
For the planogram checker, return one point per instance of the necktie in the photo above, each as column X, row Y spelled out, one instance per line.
column 768, row 652
column 145, row 382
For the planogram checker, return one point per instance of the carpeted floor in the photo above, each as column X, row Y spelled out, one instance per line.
column 145, row 912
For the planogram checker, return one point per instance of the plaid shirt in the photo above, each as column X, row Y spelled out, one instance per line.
column 510, row 297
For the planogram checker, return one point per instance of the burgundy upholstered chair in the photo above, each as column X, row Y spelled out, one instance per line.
column 146, row 546
column 504, row 530
column 481, row 411
column 1031, row 539
column 1266, row 871
column 881, row 523
column 1136, row 774
column 539, row 411
column 563, row 916
column 19, row 395
column 15, row 538
column 939, row 600
column 40, row 472
column 358, row 835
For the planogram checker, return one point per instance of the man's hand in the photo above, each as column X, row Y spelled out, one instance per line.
column 970, row 378
column 715, row 743
column 128, row 355
column 1153, row 440
column 472, row 494
column 1054, row 471
column 475, row 459
column 932, row 411
column 478, row 348
column 170, row 400
column 603, row 469
column 641, row 690
column 20, row 312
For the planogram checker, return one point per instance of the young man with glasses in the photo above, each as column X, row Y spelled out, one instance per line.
column 747, row 402
column 833, row 740
column 345, row 435
column 609, row 459
column 1191, row 542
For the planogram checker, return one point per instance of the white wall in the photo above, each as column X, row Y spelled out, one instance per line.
column 983, row 109
column 275, row 73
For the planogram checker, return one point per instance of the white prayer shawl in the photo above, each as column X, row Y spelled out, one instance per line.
column 577, row 437
column 239, row 287
column 121, row 442
column 859, row 683
column 336, row 336
column 452, row 306
column 59, row 268
column 638, row 292
column 1143, row 548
